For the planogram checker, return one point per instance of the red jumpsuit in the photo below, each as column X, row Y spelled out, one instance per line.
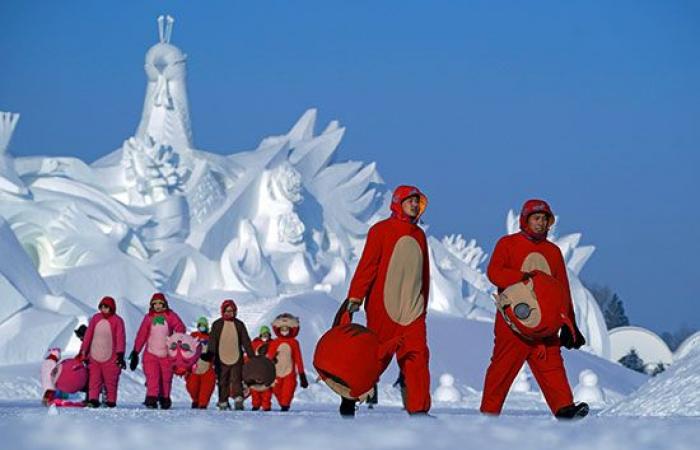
column 286, row 352
column 261, row 398
column 202, row 380
column 514, row 256
column 393, row 276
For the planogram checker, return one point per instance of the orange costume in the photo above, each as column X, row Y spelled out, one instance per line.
column 202, row 380
column 519, row 257
column 393, row 278
column 286, row 353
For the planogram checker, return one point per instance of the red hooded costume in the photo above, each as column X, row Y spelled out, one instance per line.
column 519, row 258
column 103, row 345
column 286, row 353
column 393, row 278
column 201, row 382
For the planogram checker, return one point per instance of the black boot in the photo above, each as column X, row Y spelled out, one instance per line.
column 165, row 402
column 347, row 407
column 110, row 404
column 573, row 411
column 93, row 403
column 284, row 408
column 151, row 402
column 195, row 405
column 255, row 408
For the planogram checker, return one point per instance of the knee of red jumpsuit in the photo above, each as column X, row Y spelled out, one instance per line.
column 166, row 376
column 414, row 363
column 266, row 399
column 256, row 399
column 95, row 380
column 550, row 374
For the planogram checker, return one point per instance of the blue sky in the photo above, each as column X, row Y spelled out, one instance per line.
column 594, row 106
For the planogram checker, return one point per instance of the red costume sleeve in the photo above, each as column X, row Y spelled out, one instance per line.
column 561, row 276
column 176, row 324
column 120, row 335
column 272, row 349
column 87, row 339
column 142, row 335
column 366, row 270
column 498, row 271
column 296, row 354
column 426, row 272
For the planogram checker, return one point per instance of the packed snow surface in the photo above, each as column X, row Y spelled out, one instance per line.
column 319, row 427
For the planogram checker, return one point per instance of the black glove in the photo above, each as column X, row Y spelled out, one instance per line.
column 568, row 341
column 303, row 381
column 120, row 361
column 133, row 360
column 353, row 307
column 206, row 357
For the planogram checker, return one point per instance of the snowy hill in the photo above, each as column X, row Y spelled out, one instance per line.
column 675, row 392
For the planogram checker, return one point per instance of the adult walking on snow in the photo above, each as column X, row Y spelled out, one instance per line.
column 103, row 347
column 228, row 340
column 392, row 280
column 521, row 259
column 159, row 323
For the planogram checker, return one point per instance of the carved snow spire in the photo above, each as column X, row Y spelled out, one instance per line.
column 165, row 28
column 8, row 122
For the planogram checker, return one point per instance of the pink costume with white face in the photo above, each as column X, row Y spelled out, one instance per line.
column 183, row 352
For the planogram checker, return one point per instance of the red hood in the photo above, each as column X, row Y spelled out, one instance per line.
column 401, row 193
column 159, row 296
column 109, row 301
column 225, row 304
column 531, row 207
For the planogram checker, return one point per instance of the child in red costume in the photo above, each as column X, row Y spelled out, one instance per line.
column 286, row 354
column 159, row 323
column 103, row 347
column 201, row 381
column 516, row 258
column 393, row 277
column 260, row 346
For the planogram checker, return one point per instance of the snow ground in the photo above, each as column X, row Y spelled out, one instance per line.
column 317, row 426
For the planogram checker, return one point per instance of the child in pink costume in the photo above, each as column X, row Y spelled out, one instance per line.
column 157, row 325
column 103, row 348
column 47, row 380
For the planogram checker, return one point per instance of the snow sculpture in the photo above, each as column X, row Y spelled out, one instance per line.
column 9, row 180
column 152, row 170
column 589, row 317
column 588, row 390
column 166, row 117
column 244, row 267
column 522, row 382
column 447, row 392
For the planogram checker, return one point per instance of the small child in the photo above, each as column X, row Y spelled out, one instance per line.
column 260, row 345
column 47, row 381
column 201, row 382
column 286, row 353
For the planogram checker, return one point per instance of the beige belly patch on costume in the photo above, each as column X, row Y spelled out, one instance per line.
column 229, row 348
column 283, row 366
column 535, row 261
column 403, row 298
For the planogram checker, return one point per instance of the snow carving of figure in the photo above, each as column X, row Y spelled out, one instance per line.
column 290, row 228
column 152, row 170
column 285, row 183
column 447, row 392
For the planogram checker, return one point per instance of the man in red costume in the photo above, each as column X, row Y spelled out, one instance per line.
column 285, row 351
column 517, row 258
column 392, row 278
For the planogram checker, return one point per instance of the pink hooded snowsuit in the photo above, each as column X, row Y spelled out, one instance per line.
column 153, row 333
column 103, row 346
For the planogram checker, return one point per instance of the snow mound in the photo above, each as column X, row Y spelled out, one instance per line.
column 675, row 392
